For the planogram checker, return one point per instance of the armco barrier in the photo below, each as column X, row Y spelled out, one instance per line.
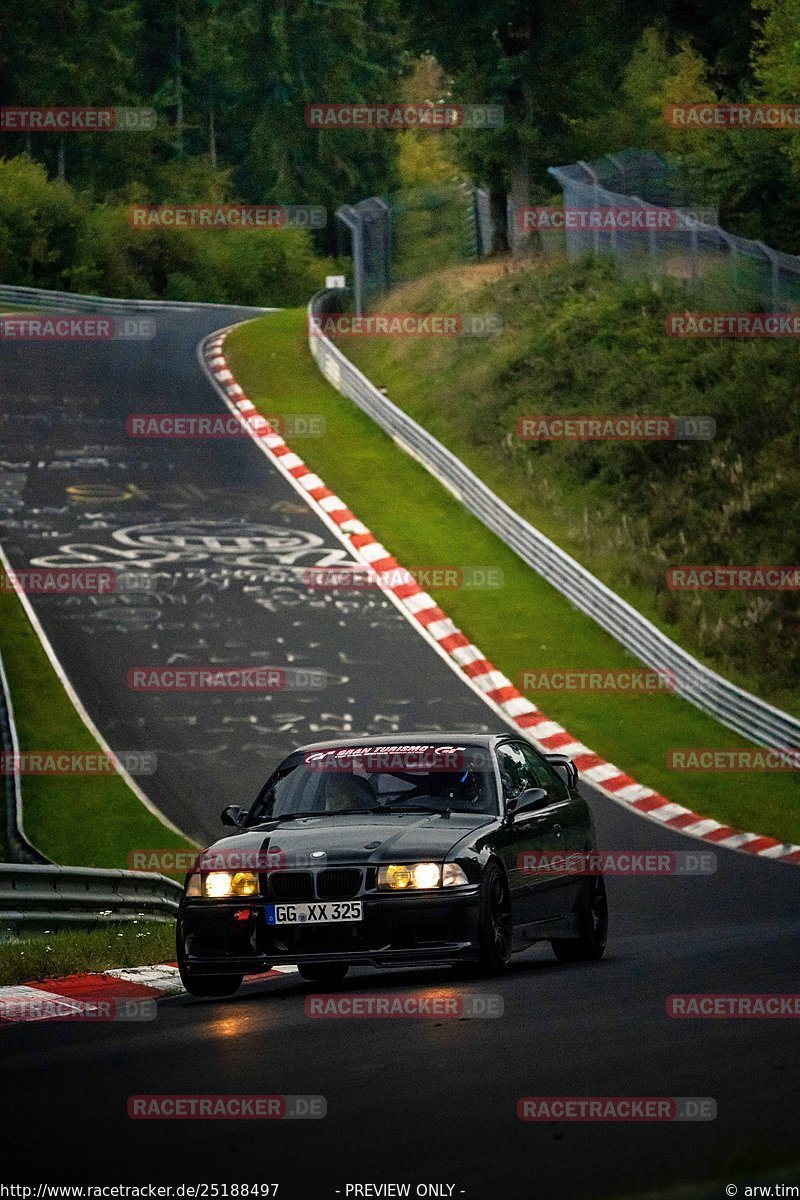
column 33, row 898
column 65, row 301
column 734, row 707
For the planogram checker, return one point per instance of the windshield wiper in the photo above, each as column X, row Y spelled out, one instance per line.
column 399, row 806
column 342, row 812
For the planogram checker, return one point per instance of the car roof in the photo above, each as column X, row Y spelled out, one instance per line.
column 414, row 738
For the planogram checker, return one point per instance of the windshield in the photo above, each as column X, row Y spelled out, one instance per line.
column 423, row 779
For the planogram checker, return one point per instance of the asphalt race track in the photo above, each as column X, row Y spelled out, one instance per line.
column 416, row 1101
column 223, row 544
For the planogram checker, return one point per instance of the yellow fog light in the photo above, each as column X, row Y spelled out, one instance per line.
column 398, row 878
column 244, row 883
column 395, row 877
column 218, row 883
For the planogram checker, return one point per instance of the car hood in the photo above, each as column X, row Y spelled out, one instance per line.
column 354, row 839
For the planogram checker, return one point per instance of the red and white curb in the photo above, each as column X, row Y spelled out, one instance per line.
column 88, row 996
column 431, row 620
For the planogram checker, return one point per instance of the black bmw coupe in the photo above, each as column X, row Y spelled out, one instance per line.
column 408, row 850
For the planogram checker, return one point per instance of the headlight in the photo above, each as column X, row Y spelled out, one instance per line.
column 398, row 878
column 453, row 876
column 219, row 884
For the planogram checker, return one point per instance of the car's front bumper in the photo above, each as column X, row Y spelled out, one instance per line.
column 233, row 937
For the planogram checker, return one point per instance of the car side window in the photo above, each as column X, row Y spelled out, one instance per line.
column 515, row 770
column 546, row 777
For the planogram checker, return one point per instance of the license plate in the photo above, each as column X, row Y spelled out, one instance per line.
column 314, row 914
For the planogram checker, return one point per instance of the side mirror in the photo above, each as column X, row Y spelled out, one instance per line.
column 233, row 815
column 526, row 801
column 564, row 767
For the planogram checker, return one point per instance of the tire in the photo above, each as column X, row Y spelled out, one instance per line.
column 590, row 944
column 495, row 927
column 323, row 972
column 204, row 985
column 211, row 985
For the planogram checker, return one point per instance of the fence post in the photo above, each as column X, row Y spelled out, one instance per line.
column 387, row 241
column 352, row 219
column 652, row 253
column 595, row 202
column 774, row 272
column 694, row 247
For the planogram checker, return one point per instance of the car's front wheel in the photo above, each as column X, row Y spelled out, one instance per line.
column 494, row 922
column 204, row 985
column 323, row 972
column 590, row 944
column 211, row 985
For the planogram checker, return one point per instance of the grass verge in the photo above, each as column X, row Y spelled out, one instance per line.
column 579, row 340
column 87, row 821
column 526, row 625
column 50, row 956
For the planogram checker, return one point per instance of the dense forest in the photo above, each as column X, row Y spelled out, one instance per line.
column 229, row 81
